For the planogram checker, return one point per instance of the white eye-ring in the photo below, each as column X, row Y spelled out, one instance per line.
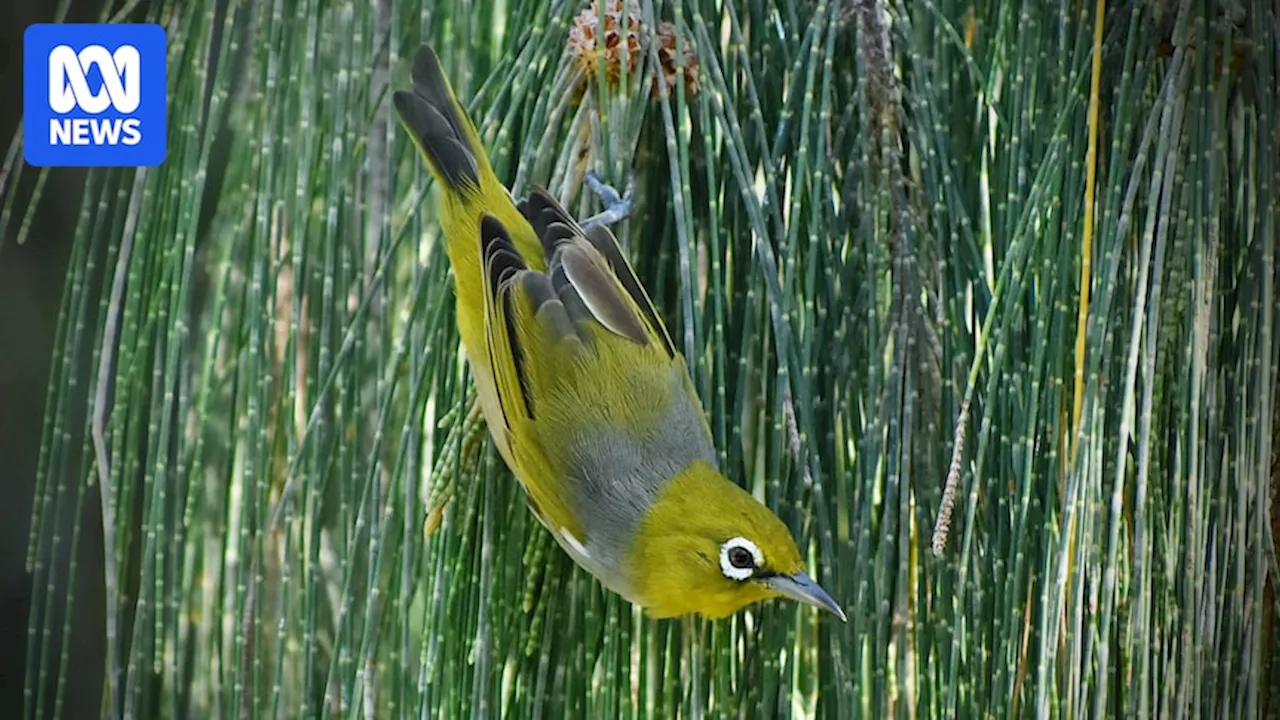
column 739, row 558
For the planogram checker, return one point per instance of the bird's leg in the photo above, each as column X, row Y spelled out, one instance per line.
column 616, row 207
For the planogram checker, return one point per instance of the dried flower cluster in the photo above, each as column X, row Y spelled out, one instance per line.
column 584, row 44
column 667, row 56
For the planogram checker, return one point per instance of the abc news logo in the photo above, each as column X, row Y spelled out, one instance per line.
column 94, row 95
column 120, row 90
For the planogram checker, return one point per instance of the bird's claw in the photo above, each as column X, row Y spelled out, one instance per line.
column 616, row 207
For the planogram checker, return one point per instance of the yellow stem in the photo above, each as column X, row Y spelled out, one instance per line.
column 1086, row 268
column 1086, row 242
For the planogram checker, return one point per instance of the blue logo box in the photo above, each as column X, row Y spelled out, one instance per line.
column 94, row 95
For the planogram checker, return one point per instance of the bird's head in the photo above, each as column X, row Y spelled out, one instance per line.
column 707, row 546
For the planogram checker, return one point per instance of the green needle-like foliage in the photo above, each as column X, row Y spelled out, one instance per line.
column 1012, row 264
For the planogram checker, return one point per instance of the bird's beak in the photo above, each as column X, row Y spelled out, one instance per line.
column 802, row 588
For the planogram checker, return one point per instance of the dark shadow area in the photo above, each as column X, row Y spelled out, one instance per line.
column 31, row 286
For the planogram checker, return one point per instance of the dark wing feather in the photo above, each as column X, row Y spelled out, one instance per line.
column 607, row 244
column 594, row 284
column 598, row 290
column 503, row 266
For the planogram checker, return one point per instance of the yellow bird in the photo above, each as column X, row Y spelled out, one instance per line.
column 585, row 395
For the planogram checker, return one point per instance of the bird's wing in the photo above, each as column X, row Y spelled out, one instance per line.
column 599, row 404
column 515, row 330
column 614, row 295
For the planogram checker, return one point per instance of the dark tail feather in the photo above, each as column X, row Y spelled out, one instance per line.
column 437, row 123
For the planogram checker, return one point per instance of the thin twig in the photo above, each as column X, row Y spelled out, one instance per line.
column 101, row 409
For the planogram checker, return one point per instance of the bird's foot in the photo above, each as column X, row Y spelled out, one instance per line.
column 616, row 207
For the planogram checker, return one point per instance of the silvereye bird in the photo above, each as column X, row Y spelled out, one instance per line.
column 585, row 395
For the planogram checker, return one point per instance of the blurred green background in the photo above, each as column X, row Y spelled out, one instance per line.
column 866, row 225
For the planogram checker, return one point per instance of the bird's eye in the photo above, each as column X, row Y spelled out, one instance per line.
column 739, row 558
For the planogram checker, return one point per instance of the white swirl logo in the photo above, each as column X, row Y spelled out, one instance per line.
column 69, row 86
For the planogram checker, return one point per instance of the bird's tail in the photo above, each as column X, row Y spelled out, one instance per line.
column 448, row 140
column 441, row 129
